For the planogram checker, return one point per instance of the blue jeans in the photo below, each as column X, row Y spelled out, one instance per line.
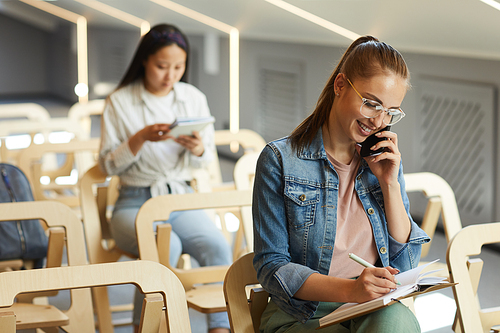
column 395, row 318
column 193, row 232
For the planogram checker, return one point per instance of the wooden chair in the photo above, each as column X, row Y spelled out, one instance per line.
column 210, row 179
column 204, row 298
column 45, row 127
column 58, row 216
column 471, row 318
column 246, row 300
column 82, row 112
column 249, row 140
column 161, row 286
column 244, row 175
column 434, row 186
column 31, row 111
column 30, row 163
column 96, row 194
column 441, row 202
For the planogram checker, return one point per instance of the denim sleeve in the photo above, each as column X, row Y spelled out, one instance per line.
column 275, row 271
column 405, row 256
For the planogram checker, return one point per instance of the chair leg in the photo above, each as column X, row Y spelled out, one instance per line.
column 152, row 311
column 102, row 309
column 8, row 321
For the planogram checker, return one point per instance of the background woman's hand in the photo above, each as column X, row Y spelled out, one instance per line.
column 386, row 165
column 156, row 132
column 192, row 143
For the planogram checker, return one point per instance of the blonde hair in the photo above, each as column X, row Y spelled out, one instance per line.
column 365, row 58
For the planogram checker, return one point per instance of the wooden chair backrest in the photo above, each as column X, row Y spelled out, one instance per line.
column 158, row 279
column 244, row 175
column 441, row 200
column 57, row 215
column 30, row 163
column 468, row 242
column 32, row 112
column 244, row 312
column 82, row 112
column 95, row 224
column 159, row 209
column 247, row 139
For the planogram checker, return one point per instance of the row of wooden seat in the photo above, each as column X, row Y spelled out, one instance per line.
column 78, row 276
column 204, row 180
column 441, row 202
column 244, row 310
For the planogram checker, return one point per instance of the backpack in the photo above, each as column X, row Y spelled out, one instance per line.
column 25, row 239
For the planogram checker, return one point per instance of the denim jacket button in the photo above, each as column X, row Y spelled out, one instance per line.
column 371, row 211
column 358, row 177
column 383, row 250
column 302, row 197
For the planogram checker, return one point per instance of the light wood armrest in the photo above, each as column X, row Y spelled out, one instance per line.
column 189, row 277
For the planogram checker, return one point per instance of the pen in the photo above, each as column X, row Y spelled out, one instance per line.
column 365, row 263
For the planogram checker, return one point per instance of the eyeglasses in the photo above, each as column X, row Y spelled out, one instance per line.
column 372, row 109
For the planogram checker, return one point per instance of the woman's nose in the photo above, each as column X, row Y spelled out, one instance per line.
column 378, row 121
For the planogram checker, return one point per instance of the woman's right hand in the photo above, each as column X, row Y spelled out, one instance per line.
column 156, row 132
column 373, row 283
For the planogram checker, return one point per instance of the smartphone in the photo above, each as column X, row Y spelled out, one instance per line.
column 370, row 142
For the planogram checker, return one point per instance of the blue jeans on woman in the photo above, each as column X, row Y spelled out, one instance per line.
column 193, row 232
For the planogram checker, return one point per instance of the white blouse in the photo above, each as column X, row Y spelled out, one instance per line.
column 157, row 164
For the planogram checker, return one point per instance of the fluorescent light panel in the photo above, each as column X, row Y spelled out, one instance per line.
column 492, row 3
column 234, row 36
column 54, row 10
column 81, row 39
column 315, row 19
column 118, row 14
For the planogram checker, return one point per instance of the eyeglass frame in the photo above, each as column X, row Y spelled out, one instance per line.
column 384, row 109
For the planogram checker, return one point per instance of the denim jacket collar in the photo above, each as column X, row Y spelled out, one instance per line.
column 316, row 151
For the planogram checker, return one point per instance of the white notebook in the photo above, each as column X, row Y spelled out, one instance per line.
column 412, row 284
column 186, row 126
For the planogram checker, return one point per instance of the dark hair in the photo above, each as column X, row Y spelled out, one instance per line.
column 365, row 58
column 158, row 37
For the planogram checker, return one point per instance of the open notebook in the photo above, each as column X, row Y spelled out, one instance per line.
column 412, row 283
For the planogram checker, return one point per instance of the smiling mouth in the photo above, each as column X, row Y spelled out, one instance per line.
column 364, row 127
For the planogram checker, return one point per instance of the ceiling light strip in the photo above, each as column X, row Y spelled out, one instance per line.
column 118, row 14
column 54, row 10
column 81, row 38
column 315, row 19
column 234, row 88
column 195, row 15
column 492, row 3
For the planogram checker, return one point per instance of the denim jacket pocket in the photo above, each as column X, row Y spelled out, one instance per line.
column 301, row 202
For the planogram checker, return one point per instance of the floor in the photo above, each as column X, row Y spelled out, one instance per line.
column 435, row 311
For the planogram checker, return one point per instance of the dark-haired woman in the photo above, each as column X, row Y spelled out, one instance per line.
column 136, row 146
column 316, row 200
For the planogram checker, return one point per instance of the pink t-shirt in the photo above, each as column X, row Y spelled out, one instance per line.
column 354, row 231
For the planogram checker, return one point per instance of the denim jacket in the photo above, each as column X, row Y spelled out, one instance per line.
column 295, row 219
